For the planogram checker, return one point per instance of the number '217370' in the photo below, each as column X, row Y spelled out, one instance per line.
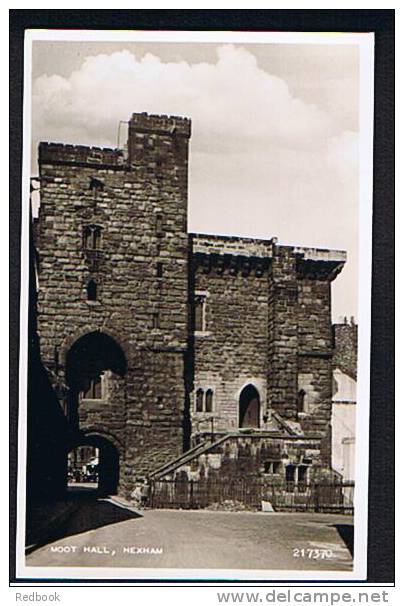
column 313, row 554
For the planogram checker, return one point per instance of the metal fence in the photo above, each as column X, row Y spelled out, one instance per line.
column 253, row 494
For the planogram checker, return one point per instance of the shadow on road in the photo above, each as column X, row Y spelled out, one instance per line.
column 346, row 532
column 87, row 512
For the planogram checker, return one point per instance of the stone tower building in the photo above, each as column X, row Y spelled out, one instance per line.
column 155, row 338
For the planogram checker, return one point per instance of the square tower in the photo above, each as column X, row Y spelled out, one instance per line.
column 113, row 288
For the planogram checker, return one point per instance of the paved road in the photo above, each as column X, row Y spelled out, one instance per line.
column 102, row 534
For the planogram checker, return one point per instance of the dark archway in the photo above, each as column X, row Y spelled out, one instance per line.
column 91, row 354
column 89, row 357
column 95, row 366
column 104, row 462
column 249, row 407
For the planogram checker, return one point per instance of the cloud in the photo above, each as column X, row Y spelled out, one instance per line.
column 263, row 161
column 231, row 100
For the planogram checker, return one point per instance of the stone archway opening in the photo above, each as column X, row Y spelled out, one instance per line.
column 93, row 466
column 249, row 407
column 89, row 362
column 95, row 370
column 90, row 355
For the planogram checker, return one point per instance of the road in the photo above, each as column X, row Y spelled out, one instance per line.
column 101, row 534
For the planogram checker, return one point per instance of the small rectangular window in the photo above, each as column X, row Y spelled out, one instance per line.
column 159, row 225
column 156, row 319
column 200, row 313
column 159, row 270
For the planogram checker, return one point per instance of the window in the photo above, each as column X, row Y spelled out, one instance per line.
column 156, row 320
column 290, row 472
column 93, row 391
column 159, row 225
column 96, row 184
column 272, row 466
column 159, row 270
column 199, row 400
column 204, row 400
column 301, row 401
column 200, row 313
column 92, row 237
column 209, row 401
column 92, row 291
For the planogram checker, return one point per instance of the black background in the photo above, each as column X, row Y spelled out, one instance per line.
column 381, row 478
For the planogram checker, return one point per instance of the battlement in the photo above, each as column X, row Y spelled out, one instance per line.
column 320, row 254
column 231, row 245
column 80, row 155
column 162, row 125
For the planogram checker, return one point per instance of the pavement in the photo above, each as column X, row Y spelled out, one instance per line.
column 104, row 533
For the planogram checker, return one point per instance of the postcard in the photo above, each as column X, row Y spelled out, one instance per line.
column 196, row 296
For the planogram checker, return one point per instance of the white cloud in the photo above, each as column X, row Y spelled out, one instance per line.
column 263, row 162
column 232, row 99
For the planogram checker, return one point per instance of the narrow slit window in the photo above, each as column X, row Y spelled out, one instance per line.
column 200, row 323
column 159, row 225
column 92, row 291
column 209, row 401
column 156, row 320
column 159, row 270
column 97, row 239
column 301, row 401
column 92, row 237
column 199, row 400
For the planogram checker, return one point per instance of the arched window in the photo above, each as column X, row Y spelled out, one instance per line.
column 249, row 407
column 209, row 401
column 92, row 291
column 199, row 401
column 301, row 401
column 92, row 237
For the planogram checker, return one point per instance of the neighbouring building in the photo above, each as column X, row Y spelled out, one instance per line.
column 170, row 351
column 343, row 418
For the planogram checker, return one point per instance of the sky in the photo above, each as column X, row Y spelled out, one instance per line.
column 274, row 146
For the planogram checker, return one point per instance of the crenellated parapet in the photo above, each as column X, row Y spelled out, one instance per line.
column 319, row 263
column 58, row 154
column 235, row 255
column 160, row 124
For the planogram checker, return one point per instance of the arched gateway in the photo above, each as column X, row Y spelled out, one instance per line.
column 98, row 467
column 95, row 370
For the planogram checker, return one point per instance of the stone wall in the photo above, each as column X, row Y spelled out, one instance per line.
column 232, row 350
column 346, row 347
column 249, row 455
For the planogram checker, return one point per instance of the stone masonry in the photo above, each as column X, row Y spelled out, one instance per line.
column 154, row 337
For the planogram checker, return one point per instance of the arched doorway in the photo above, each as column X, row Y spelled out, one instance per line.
column 249, row 407
column 93, row 466
column 86, row 363
column 95, row 369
